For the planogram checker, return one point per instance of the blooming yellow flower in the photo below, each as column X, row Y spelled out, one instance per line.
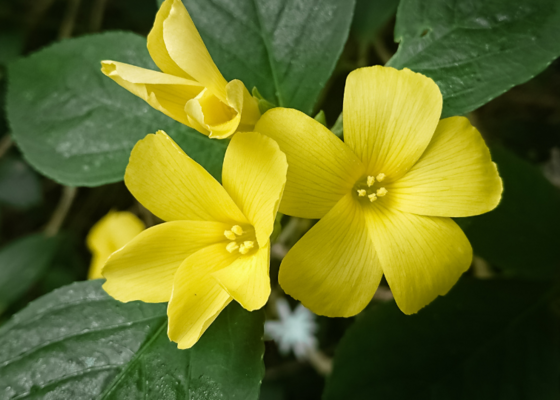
column 216, row 245
column 108, row 235
column 384, row 197
column 190, row 88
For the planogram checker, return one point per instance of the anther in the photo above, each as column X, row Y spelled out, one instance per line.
column 361, row 192
column 243, row 249
column 370, row 181
column 372, row 197
column 380, row 177
column 230, row 235
column 381, row 192
column 249, row 244
column 232, row 246
column 237, row 230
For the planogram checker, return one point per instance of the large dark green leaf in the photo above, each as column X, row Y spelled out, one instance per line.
column 484, row 340
column 77, row 126
column 287, row 49
column 22, row 262
column 475, row 50
column 521, row 235
column 19, row 184
column 370, row 16
column 78, row 343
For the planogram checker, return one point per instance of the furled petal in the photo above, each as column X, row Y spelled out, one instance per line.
column 247, row 279
column 322, row 169
column 239, row 98
column 254, row 175
column 390, row 117
column 197, row 297
column 108, row 235
column 422, row 257
column 156, row 44
column 187, row 50
column 334, row 270
column 144, row 268
column 455, row 177
column 166, row 93
column 173, row 186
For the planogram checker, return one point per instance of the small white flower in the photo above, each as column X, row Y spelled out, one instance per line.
column 294, row 331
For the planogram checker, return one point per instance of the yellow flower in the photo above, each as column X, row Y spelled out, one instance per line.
column 216, row 245
column 108, row 235
column 384, row 197
column 190, row 88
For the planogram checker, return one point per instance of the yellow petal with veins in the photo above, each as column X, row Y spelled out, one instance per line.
column 174, row 187
column 145, row 267
column 390, row 117
column 166, row 93
column 197, row 297
column 322, row 169
column 247, row 279
column 254, row 175
column 187, row 50
column 422, row 257
column 334, row 269
column 455, row 177
column 108, row 235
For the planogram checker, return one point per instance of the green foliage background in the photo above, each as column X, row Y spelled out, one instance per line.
column 64, row 125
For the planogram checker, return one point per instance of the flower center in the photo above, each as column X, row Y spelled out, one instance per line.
column 242, row 239
column 370, row 188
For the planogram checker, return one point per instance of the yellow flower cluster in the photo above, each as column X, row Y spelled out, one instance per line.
column 384, row 197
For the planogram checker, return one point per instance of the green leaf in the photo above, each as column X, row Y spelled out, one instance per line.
column 77, row 126
column 476, row 50
column 521, row 235
column 484, row 340
column 22, row 262
column 11, row 45
column 370, row 16
column 78, row 343
column 287, row 49
column 19, row 184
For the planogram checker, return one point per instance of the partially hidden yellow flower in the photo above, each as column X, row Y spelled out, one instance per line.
column 215, row 247
column 109, row 234
column 190, row 88
column 384, row 197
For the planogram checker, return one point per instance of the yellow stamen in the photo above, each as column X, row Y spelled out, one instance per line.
column 237, row 230
column 380, row 177
column 230, row 235
column 249, row 244
column 370, row 181
column 381, row 192
column 372, row 197
column 361, row 192
column 232, row 246
column 243, row 249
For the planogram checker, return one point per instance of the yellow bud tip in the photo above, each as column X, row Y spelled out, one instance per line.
column 380, row 177
column 370, row 181
column 372, row 197
column 249, row 244
column 243, row 249
column 232, row 246
column 381, row 192
column 361, row 192
column 237, row 230
column 230, row 235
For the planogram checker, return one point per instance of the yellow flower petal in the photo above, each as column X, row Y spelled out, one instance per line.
column 108, row 235
column 187, row 50
column 197, row 297
column 322, row 169
column 239, row 98
column 334, row 270
column 174, row 187
column 390, row 117
column 166, row 93
column 247, row 279
column 254, row 175
column 455, row 177
column 422, row 257
column 156, row 44
column 145, row 267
